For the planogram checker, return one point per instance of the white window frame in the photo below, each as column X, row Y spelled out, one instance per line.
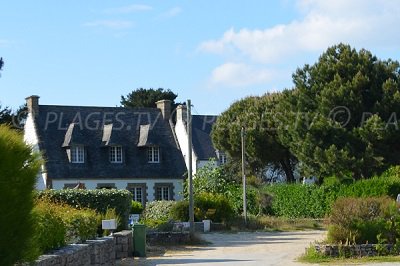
column 153, row 154
column 135, row 193
column 115, row 154
column 222, row 158
column 77, row 154
column 165, row 193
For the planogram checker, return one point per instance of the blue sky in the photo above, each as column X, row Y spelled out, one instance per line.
column 212, row 52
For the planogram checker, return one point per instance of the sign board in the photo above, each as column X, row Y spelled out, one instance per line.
column 134, row 218
column 109, row 224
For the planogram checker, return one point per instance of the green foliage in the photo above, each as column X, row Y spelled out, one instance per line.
column 158, row 210
column 98, row 199
column 18, row 170
column 205, row 202
column 316, row 201
column 362, row 220
column 136, row 207
column 147, row 97
column 211, row 206
column 298, row 201
column 57, row 225
column 180, row 211
column 213, row 179
column 339, row 117
column 260, row 118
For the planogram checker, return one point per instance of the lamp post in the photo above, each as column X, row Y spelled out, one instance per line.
column 243, row 133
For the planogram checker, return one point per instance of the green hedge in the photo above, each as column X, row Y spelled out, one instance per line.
column 97, row 199
column 311, row 201
column 57, row 225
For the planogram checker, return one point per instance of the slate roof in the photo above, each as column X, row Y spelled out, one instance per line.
column 59, row 127
column 201, row 136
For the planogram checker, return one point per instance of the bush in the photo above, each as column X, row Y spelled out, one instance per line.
column 97, row 199
column 158, row 210
column 204, row 202
column 361, row 220
column 180, row 211
column 136, row 207
column 59, row 224
column 18, row 170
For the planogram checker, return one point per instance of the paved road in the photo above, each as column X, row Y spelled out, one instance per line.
column 247, row 248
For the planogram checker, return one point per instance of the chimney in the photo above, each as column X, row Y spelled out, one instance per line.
column 33, row 104
column 181, row 113
column 165, row 107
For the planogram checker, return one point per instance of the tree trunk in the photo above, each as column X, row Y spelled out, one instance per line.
column 285, row 163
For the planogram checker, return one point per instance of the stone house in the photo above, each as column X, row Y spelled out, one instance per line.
column 107, row 147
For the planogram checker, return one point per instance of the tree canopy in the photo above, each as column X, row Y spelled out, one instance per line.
column 147, row 97
column 341, row 116
column 13, row 119
column 1, row 63
column 262, row 144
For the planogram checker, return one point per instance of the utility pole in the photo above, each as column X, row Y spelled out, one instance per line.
column 243, row 133
column 190, row 177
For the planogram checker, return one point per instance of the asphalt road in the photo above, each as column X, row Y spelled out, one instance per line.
column 244, row 248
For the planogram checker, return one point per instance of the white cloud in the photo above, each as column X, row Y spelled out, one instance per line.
column 110, row 24
column 361, row 23
column 172, row 12
column 238, row 75
column 129, row 9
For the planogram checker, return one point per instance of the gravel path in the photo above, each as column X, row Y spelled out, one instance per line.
column 245, row 248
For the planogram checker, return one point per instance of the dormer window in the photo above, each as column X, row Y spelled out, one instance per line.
column 153, row 154
column 116, row 154
column 77, row 154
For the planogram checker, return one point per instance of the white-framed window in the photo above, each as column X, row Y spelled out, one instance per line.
column 77, row 154
column 163, row 193
column 153, row 155
column 222, row 158
column 137, row 194
column 116, row 154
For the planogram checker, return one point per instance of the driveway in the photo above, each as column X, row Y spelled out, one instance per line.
column 245, row 248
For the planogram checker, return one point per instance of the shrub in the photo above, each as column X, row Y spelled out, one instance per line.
column 180, row 211
column 57, row 225
column 361, row 220
column 158, row 210
column 204, row 202
column 18, row 170
column 97, row 199
column 136, row 207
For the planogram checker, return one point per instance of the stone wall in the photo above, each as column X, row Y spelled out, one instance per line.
column 123, row 244
column 96, row 252
column 363, row 250
column 167, row 237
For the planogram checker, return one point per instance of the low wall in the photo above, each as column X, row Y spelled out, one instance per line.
column 167, row 237
column 123, row 244
column 363, row 250
column 96, row 252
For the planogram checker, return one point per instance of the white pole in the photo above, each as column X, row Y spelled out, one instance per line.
column 244, row 176
column 190, row 177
